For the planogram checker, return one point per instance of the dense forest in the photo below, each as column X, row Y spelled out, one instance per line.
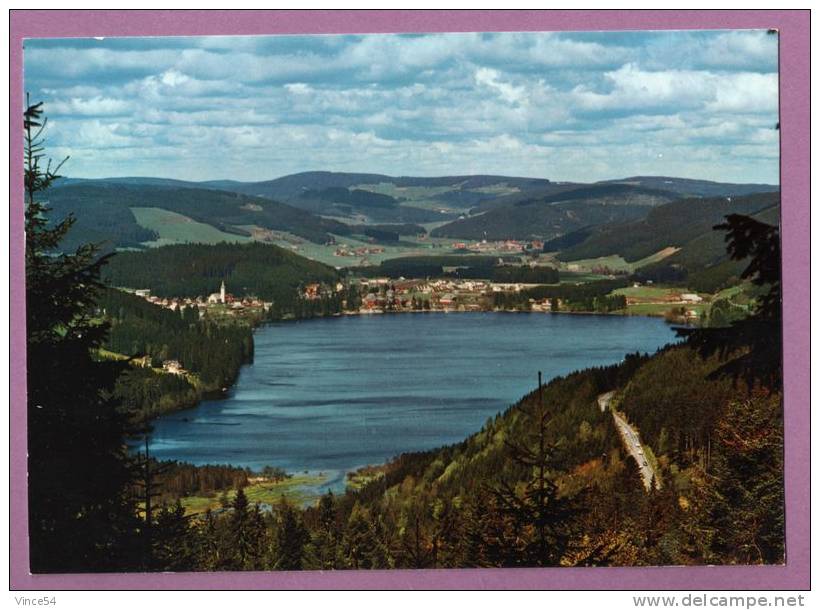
column 702, row 263
column 553, row 214
column 112, row 202
column 212, row 352
column 673, row 224
column 191, row 270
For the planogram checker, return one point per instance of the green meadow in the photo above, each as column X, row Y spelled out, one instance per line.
column 175, row 228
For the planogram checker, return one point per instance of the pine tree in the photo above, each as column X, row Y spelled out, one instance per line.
column 174, row 547
column 473, row 543
column 243, row 533
column 414, row 538
column 325, row 540
column 360, row 541
column 81, row 516
column 291, row 538
column 146, row 472
column 536, row 508
column 447, row 533
column 746, row 503
column 210, row 554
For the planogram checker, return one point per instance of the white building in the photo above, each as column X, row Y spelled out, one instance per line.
column 218, row 297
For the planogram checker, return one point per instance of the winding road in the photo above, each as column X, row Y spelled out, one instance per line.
column 631, row 441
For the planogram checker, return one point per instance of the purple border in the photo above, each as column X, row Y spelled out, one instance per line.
column 794, row 29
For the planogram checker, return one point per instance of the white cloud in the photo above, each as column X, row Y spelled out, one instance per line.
column 636, row 88
column 94, row 106
column 553, row 105
column 172, row 78
column 508, row 92
column 746, row 92
column 298, row 88
column 752, row 50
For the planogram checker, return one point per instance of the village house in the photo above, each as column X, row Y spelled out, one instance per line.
column 173, row 366
column 370, row 301
column 447, row 300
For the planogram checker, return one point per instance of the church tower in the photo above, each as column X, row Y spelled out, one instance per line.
column 222, row 292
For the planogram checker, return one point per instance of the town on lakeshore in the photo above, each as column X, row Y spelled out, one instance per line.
column 222, row 300
column 383, row 294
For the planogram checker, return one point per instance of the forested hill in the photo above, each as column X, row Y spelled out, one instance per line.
column 550, row 215
column 191, row 270
column 673, row 224
column 135, row 212
column 104, row 212
column 700, row 262
column 687, row 187
column 294, row 185
column 212, row 352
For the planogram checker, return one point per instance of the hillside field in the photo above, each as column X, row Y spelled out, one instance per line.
column 174, row 228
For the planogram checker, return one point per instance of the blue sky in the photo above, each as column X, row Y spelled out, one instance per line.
column 569, row 106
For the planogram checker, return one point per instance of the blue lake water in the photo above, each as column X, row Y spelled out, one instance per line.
column 330, row 395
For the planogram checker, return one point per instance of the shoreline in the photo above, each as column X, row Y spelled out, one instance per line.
column 345, row 480
column 222, row 393
column 448, row 311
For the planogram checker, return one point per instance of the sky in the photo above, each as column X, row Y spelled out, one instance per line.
column 563, row 106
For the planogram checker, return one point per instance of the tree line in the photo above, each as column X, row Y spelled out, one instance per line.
column 196, row 270
column 151, row 335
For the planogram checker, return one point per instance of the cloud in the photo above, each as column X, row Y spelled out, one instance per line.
column 752, row 50
column 93, row 106
column 631, row 87
column 567, row 106
column 508, row 92
column 298, row 88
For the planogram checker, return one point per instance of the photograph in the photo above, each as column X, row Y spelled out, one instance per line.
column 403, row 301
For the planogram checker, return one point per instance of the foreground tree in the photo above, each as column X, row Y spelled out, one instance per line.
column 536, row 508
column 81, row 517
column 756, row 341
column 291, row 538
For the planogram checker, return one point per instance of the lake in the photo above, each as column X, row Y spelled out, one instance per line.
column 333, row 394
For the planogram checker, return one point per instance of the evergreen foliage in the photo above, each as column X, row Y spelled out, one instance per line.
column 196, row 270
column 213, row 351
column 81, row 517
column 105, row 209
column 757, row 340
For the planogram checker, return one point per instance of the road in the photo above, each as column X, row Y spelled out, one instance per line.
column 603, row 400
column 631, row 441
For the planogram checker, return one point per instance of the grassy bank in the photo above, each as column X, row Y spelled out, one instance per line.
column 296, row 490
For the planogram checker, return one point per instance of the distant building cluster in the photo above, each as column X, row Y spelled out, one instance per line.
column 316, row 291
column 507, row 245
column 346, row 250
column 173, row 367
column 221, row 298
column 381, row 294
